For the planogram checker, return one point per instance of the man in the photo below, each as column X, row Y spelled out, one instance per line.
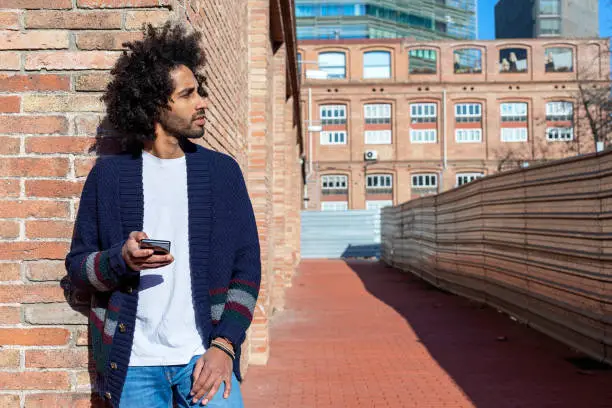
column 165, row 328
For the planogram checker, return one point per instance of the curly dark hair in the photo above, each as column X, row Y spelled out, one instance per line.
column 141, row 85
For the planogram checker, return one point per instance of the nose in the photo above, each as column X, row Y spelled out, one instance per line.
column 202, row 103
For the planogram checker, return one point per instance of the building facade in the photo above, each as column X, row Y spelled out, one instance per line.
column 546, row 18
column 420, row 19
column 392, row 120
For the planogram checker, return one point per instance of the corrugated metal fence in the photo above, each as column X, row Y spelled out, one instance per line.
column 340, row 234
column 536, row 243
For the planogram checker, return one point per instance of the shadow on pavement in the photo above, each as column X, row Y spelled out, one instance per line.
column 496, row 361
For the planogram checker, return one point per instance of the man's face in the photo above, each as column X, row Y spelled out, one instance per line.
column 186, row 116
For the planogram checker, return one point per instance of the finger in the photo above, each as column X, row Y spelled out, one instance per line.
column 207, row 384
column 197, row 370
column 228, row 388
column 198, row 386
column 138, row 253
column 138, row 235
column 159, row 259
column 213, row 391
column 154, row 266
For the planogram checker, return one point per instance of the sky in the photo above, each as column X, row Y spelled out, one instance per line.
column 486, row 19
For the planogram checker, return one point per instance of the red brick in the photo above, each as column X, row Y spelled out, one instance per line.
column 45, row 270
column 10, row 315
column 87, row 125
column 34, row 167
column 10, row 104
column 105, row 40
column 116, row 3
column 9, row 20
column 33, row 250
column 33, row 208
column 9, row 229
column 10, row 271
column 53, row 188
column 56, row 358
column 10, row 61
column 36, row 293
column 33, row 124
column 33, row 40
column 66, row 400
column 9, row 401
column 83, row 166
column 36, row 4
column 135, row 19
column 9, row 358
column 92, row 82
column 20, row 83
column 9, row 145
column 34, row 337
column 9, row 188
column 34, row 380
column 98, row 20
column 67, row 60
column 49, row 229
column 58, row 144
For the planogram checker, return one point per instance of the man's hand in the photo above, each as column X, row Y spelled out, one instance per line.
column 139, row 259
column 212, row 369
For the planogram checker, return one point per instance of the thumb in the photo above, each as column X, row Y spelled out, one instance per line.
column 138, row 235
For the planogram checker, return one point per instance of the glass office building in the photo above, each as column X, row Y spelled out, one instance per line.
column 418, row 19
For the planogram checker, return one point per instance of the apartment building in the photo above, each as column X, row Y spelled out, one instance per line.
column 546, row 18
column 391, row 120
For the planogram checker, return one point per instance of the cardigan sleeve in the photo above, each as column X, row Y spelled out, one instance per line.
column 243, row 288
column 89, row 267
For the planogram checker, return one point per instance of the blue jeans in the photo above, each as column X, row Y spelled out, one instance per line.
column 159, row 386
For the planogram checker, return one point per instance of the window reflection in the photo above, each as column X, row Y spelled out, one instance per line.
column 423, row 61
column 560, row 59
column 513, row 60
column 468, row 61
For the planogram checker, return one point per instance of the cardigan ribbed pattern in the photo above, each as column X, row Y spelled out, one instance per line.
column 224, row 256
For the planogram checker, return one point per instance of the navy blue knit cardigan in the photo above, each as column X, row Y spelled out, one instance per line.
column 223, row 247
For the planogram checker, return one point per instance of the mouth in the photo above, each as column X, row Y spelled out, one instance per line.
column 200, row 121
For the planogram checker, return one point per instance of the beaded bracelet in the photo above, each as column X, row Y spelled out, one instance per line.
column 223, row 348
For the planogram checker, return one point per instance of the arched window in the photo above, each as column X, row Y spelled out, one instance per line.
column 513, row 60
column 377, row 64
column 334, row 63
column 559, row 59
column 467, row 61
column 422, row 61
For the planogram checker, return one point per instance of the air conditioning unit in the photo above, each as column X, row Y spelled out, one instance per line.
column 371, row 155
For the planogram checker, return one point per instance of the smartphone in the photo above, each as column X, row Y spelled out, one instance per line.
column 159, row 247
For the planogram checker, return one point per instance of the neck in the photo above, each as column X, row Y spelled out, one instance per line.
column 165, row 146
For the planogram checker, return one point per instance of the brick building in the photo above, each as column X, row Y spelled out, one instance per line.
column 396, row 119
column 54, row 61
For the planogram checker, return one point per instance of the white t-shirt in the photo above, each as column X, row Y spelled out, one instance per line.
column 165, row 331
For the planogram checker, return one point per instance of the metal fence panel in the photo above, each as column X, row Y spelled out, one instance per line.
column 340, row 234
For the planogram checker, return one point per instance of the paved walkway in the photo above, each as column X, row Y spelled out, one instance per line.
column 359, row 334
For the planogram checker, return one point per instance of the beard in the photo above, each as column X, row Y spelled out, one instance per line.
column 181, row 128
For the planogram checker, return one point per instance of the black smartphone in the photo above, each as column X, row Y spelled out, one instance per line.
column 159, row 247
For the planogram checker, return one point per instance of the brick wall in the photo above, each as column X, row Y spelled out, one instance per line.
column 54, row 61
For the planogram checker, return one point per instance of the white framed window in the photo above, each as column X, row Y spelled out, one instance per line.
column 468, row 135
column 378, row 136
column 560, row 111
column 464, row 178
column 333, row 137
column 333, row 114
column 378, row 204
column 377, row 113
column 424, row 181
column 334, row 205
column 334, row 63
column 379, row 181
column 423, row 112
column 377, row 64
column 334, row 182
column 558, row 134
column 514, row 134
column 468, row 112
column 423, row 135
column 514, row 112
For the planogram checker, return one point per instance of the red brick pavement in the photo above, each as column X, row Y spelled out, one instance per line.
column 360, row 334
